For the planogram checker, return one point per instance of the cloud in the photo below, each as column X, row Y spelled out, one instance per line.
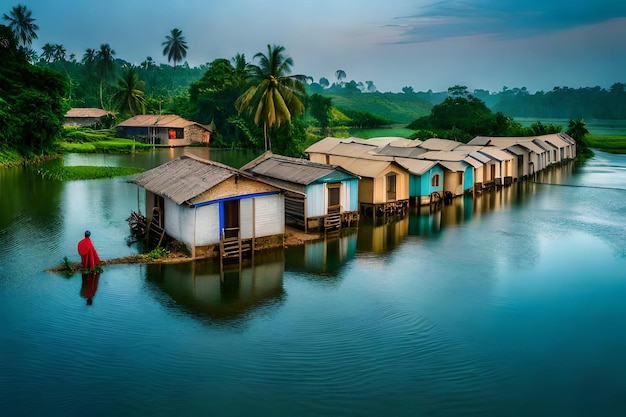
column 502, row 19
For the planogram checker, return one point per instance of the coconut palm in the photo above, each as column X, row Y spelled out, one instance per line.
column 241, row 66
column 129, row 95
column 272, row 98
column 47, row 52
column 59, row 52
column 103, row 60
column 89, row 57
column 340, row 74
column 22, row 24
column 577, row 130
column 175, row 48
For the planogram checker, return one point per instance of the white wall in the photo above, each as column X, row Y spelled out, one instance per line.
column 269, row 215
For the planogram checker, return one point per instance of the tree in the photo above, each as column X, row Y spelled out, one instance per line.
column 47, row 52
column 129, row 94
column 272, row 99
column 241, row 67
column 320, row 107
column 340, row 74
column 103, row 61
column 214, row 95
column 577, row 130
column 175, row 47
column 324, row 82
column 22, row 24
column 59, row 52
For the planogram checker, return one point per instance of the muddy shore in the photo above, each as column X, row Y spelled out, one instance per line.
column 293, row 237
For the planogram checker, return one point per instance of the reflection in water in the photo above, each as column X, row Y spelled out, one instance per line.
column 89, row 287
column 379, row 237
column 325, row 258
column 224, row 295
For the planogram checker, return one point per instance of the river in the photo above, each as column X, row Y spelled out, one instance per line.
column 507, row 304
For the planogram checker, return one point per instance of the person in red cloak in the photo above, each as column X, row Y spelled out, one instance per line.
column 88, row 254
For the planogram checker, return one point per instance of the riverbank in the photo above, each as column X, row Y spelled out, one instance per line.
column 293, row 237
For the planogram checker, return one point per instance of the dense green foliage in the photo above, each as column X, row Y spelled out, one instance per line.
column 462, row 117
column 393, row 108
column 564, row 102
column 274, row 96
column 247, row 104
column 31, row 112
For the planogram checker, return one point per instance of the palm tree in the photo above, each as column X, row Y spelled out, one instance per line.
column 175, row 48
column 59, row 52
column 129, row 95
column 273, row 97
column 48, row 52
column 22, row 24
column 340, row 74
column 103, row 60
column 577, row 130
column 242, row 67
column 89, row 57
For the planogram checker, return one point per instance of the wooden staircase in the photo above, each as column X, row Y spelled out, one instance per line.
column 155, row 232
column 333, row 218
column 232, row 246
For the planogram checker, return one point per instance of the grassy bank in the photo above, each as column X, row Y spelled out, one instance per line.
column 116, row 145
column 72, row 173
column 607, row 143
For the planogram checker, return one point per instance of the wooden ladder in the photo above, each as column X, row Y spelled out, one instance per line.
column 155, row 232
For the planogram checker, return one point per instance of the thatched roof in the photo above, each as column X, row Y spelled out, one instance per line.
column 159, row 120
column 294, row 170
column 87, row 112
column 184, row 178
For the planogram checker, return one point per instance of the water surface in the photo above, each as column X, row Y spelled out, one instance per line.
column 507, row 304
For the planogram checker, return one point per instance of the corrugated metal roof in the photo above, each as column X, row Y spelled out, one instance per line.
column 404, row 143
column 531, row 147
column 480, row 141
column 567, row 138
column 556, row 140
column 454, row 166
column 158, row 120
column 515, row 149
column 87, row 112
column 496, row 153
column 444, row 155
column 357, row 150
column 436, row 144
column 400, row 151
column 324, row 145
column 184, row 178
column 416, row 166
column 480, row 157
column 473, row 162
column 299, row 171
column 366, row 168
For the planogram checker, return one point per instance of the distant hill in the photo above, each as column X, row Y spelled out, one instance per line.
column 399, row 108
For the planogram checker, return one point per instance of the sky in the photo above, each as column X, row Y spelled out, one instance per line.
column 423, row 44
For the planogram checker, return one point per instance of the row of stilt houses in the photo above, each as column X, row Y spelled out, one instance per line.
column 219, row 211
column 397, row 172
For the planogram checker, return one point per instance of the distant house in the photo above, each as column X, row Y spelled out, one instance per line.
column 212, row 208
column 87, row 117
column 317, row 196
column 164, row 129
column 384, row 184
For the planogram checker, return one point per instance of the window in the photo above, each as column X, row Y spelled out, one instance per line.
column 435, row 180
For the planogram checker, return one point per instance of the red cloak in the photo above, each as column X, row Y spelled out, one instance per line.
column 88, row 255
